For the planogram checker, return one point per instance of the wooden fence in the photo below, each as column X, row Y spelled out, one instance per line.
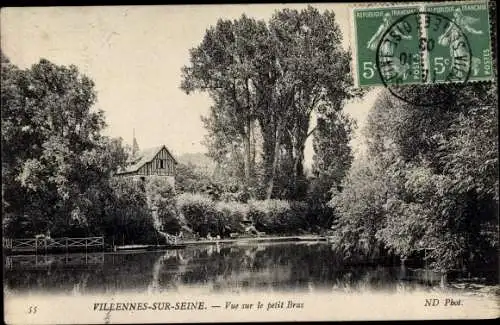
column 47, row 244
column 45, row 261
column 7, row 243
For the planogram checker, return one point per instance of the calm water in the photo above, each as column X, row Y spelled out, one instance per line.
column 214, row 268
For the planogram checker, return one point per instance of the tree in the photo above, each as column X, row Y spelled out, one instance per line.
column 434, row 199
column 126, row 217
column 223, row 64
column 12, row 137
column 272, row 76
column 312, row 76
column 53, row 156
column 225, row 146
column 161, row 197
column 333, row 154
column 189, row 179
column 360, row 209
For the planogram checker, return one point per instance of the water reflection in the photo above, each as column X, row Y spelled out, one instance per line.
column 214, row 268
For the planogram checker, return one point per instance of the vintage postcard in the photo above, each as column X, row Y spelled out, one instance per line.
column 247, row 163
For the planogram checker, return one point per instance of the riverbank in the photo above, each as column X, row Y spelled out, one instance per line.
column 300, row 238
column 259, row 239
column 140, row 247
column 475, row 288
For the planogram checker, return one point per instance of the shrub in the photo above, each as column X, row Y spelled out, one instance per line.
column 199, row 212
column 240, row 196
column 204, row 215
column 278, row 216
column 230, row 216
column 297, row 218
column 360, row 210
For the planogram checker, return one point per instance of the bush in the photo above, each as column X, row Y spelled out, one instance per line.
column 297, row 218
column 278, row 216
column 205, row 216
column 199, row 212
column 231, row 215
column 239, row 196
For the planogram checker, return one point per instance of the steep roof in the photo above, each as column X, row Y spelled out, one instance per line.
column 142, row 157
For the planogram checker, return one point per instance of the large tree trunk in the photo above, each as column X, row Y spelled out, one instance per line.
column 268, row 134
column 297, row 173
column 247, row 153
column 274, row 166
column 298, row 141
column 253, row 150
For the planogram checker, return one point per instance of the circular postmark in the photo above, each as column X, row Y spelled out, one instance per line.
column 408, row 66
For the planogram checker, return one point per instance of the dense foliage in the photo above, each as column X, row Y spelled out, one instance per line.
column 206, row 216
column 267, row 80
column 55, row 162
column 57, row 168
column 189, row 179
column 126, row 217
column 161, row 200
column 428, row 186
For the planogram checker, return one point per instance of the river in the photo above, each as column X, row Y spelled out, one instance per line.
column 228, row 267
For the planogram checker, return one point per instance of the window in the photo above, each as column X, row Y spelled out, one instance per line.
column 160, row 164
column 142, row 183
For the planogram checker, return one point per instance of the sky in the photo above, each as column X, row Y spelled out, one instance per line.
column 134, row 54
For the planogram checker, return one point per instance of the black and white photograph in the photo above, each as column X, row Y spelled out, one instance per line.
column 249, row 162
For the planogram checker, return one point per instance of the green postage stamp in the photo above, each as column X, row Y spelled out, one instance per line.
column 422, row 43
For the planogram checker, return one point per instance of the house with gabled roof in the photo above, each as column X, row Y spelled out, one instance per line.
column 156, row 161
